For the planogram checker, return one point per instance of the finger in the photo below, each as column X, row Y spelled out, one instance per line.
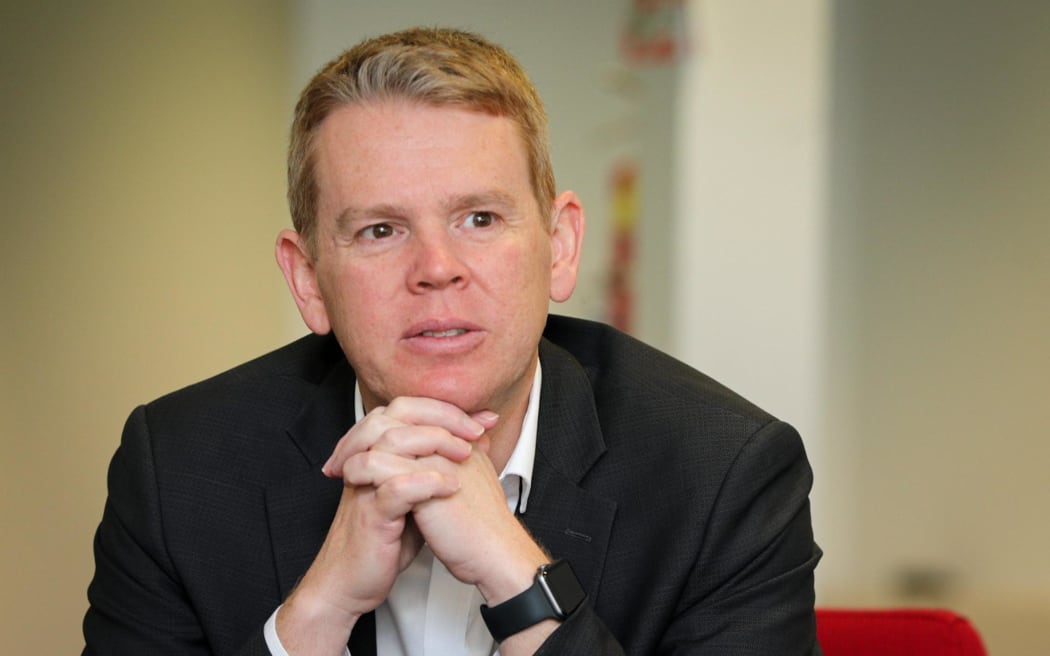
column 398, row 495
column 405, row 441
column 432, row 412
column 421, row 441
column 361, row 437
column 375, row 468
column 486, row 418
column 411, row 542
column 379, row 428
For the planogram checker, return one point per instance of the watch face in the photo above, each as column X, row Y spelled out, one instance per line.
column 562, row 589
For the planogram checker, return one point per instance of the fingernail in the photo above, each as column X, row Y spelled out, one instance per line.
column 487, row 417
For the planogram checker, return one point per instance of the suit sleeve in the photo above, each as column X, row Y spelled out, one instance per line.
column 751, row 589
column 753, row 586
column 137, row 604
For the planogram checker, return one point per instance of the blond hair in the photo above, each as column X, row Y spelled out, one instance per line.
column 440, row 67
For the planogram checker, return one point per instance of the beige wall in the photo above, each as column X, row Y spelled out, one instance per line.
column 141, row 149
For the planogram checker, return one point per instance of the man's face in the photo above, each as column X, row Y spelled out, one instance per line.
column 433, row 263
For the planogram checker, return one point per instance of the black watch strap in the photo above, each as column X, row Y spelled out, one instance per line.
column 554, row 594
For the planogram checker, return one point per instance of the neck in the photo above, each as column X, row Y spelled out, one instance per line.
column 504, row 435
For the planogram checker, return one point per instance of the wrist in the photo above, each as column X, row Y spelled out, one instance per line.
column 553, row 595
column 512, row 578
column 306, row 623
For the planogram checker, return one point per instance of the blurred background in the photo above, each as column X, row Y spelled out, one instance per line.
column 838, row 208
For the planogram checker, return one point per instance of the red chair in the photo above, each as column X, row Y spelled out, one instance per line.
column 896, row 632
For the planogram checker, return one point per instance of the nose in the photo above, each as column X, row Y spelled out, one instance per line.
column 436, row 264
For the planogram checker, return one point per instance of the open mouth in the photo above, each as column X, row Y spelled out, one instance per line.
column 452, row 332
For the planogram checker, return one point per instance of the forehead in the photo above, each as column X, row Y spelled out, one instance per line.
column 359, row 146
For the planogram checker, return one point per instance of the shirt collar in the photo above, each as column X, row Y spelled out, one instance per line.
column 523, row 457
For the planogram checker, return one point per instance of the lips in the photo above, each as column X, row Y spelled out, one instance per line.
column 443, row 338
column 440, row 329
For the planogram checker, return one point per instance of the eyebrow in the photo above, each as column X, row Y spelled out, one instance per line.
column 492, row 198
column 345, row 220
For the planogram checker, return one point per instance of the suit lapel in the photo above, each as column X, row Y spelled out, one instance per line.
column 568, row 520
column 300, row 508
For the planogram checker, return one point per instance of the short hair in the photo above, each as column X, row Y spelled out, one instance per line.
column 435, row 66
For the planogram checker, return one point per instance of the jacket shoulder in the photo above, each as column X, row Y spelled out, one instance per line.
column 244, row 408
column 624, row 371
column 304, row 362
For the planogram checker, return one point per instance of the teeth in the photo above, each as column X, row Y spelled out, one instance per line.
column 444, row 333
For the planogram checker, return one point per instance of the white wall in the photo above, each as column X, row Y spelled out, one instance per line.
column 940, row 250
column 750, row 223
column 865, row 250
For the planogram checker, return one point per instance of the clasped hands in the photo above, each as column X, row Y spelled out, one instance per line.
column 415, row 470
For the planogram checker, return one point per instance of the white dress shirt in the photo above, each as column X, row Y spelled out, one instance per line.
column 428, row 611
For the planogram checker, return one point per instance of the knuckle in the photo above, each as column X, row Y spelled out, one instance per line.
column 356, row 468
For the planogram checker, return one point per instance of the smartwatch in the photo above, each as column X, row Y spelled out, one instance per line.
column 554, row 594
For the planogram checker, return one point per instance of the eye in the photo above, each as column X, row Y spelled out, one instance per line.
column 378, row 231
column 480, row 219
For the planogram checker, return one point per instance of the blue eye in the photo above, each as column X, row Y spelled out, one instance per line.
column 480, row 219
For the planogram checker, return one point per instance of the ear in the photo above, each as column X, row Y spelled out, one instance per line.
column 567, row 227
column 297, row 265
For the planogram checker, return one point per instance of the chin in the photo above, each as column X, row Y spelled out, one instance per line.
column 417, row 383
column 462, row 396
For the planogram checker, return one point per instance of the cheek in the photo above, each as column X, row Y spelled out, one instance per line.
column 362, row 282
column 524, row 287
column 536, row 263
column 515, row 269
column 352, row 295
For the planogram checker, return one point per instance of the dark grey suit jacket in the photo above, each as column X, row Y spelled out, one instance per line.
column 682, row 507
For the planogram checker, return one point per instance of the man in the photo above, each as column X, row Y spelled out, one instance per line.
column 441, row 468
